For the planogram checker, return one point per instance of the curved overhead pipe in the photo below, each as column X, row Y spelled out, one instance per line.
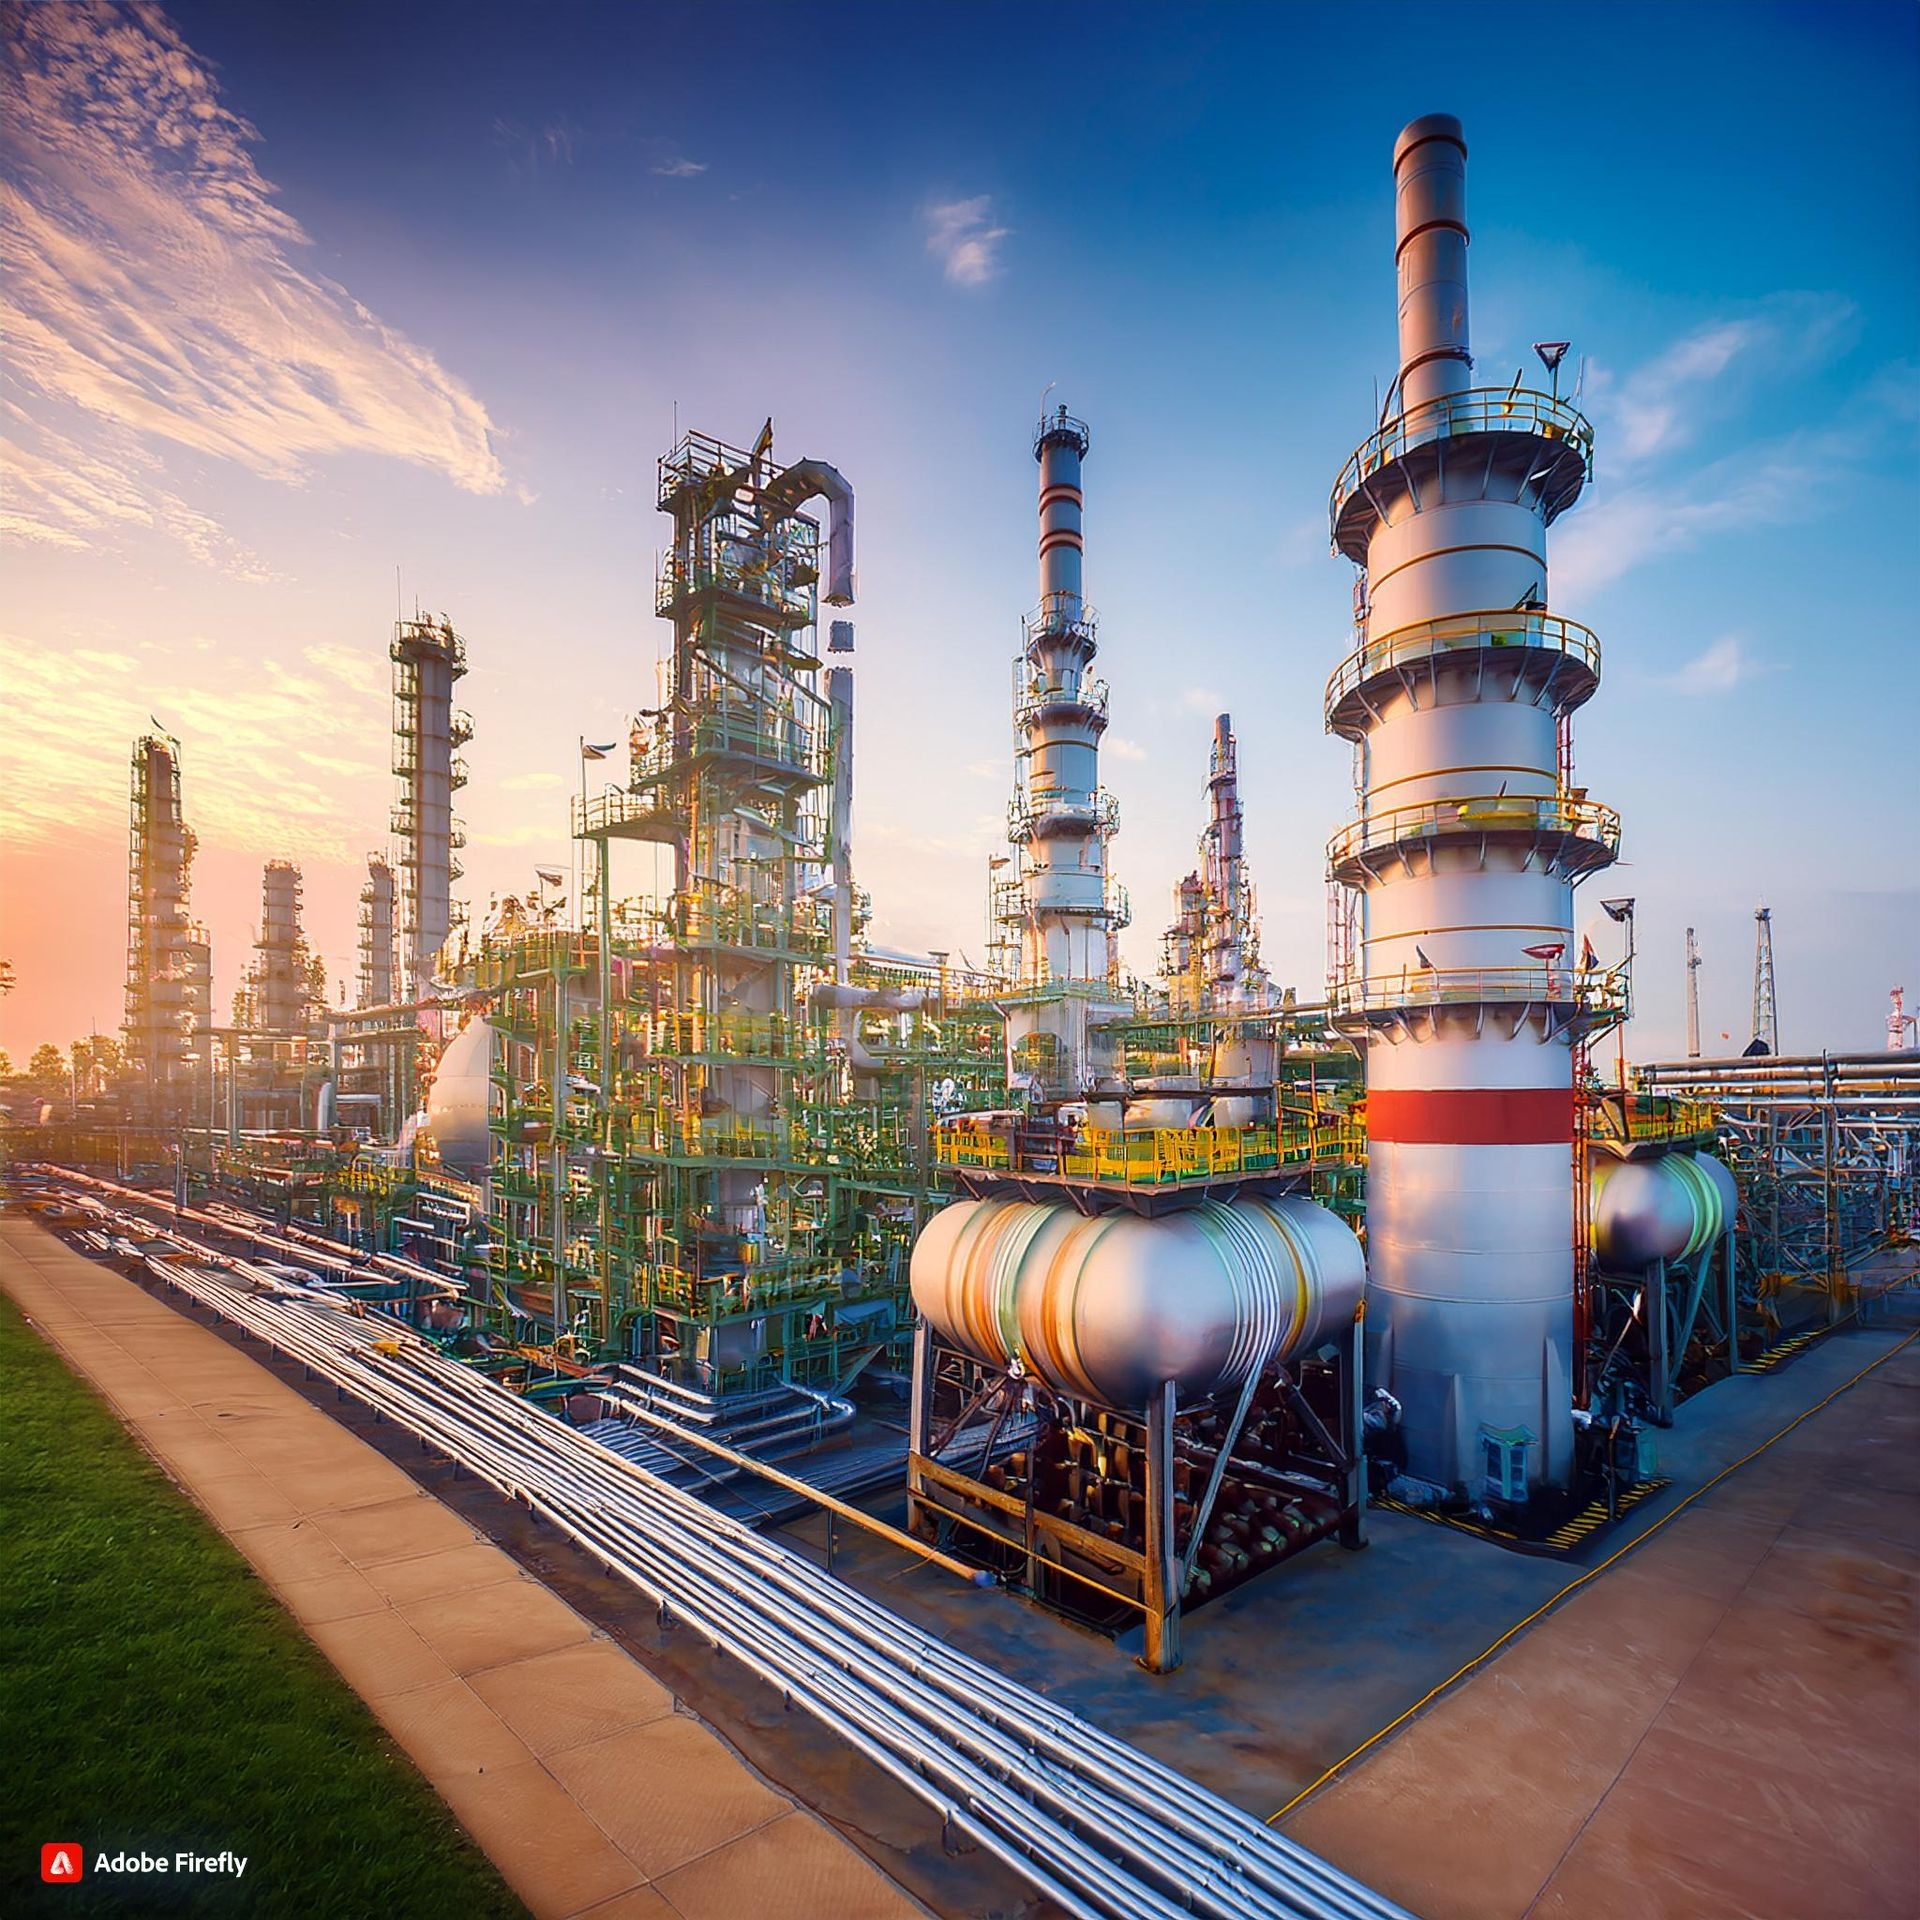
column 801, row 482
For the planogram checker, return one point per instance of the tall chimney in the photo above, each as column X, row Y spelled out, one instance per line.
column 1430, row 206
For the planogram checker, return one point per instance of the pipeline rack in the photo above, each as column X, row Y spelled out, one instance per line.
column 1100, row 1829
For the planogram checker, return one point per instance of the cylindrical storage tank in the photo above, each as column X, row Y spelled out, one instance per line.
column 457, row 1101
column 1108, row 1308
column 1666, row 1209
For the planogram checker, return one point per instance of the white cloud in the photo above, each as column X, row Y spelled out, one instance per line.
column 275, row 762
column 155, row 283
column 1700, row 386
column 961, row 235
column 680, row 168
column 1651, row 412
column 65, row 494
column 1200, row 700
column 1122, row 748
column 1766, row 485
column 1718, row 668
column 1666, row 402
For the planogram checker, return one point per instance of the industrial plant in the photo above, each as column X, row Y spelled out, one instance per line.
column 759, row 1260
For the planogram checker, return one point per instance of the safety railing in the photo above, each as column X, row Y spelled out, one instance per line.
column 1035, row 693
column 1477, row 410
column 1458, row 633
column 1559, row 815
column 1099, row 811
column 1603, row 993
column 747, row 1036
column 419, row 639
column 778, row 586
column 1659, row 1120
column 505, row 958
column 616, row 811
column 1153, row 1156
column 1061, row 618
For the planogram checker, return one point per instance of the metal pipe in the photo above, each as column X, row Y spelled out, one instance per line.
column 1040, row 1789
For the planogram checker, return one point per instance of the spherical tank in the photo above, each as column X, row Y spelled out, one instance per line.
column 457, row 1103
column 1107, row 1308
column 1664, row 1209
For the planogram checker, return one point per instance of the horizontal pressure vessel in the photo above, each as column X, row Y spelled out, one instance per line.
column 457, row 1101
column 1108, row 1307
column 1664, row 1209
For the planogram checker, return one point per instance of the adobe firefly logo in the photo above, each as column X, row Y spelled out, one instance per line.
column 61, row 1861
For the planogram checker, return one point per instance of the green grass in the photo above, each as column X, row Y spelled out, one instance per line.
column 154, row 1695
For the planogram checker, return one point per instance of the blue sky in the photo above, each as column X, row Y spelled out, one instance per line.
column 433, row 306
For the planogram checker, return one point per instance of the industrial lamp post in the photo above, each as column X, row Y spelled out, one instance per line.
column 1622, row 911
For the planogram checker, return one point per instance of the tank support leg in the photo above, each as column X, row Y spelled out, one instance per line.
column 1162, row 1583
column 1659, row 1346
column 1729, row 1280
column 1353, row 1479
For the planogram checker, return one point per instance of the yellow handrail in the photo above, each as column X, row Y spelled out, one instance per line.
column 1485, row 812
column 1155, row 1156
column 1477, row 410
column 1489, row 628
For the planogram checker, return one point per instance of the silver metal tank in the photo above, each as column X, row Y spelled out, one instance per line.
column 1645, row 1211
column 1109, row 1307
column 457, row 1101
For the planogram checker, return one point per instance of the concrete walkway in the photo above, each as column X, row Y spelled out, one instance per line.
column 1725, row 1727
column 571, row 1766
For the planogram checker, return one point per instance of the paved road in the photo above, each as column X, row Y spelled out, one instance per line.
column 1726, row 1726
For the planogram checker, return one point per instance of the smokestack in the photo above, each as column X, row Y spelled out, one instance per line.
column 1430, row 248
column 1060, row 446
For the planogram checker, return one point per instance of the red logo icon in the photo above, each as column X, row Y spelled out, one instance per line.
column 61, row 1861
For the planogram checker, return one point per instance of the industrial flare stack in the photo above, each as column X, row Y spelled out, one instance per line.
column 1470, row 838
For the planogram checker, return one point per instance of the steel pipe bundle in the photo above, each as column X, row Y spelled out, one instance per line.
column 1098, row 1828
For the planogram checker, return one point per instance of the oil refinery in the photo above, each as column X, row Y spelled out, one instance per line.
column 1094, row 1409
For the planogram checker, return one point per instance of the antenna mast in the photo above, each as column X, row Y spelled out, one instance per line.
column 1766, row 1013
column 1693, row 997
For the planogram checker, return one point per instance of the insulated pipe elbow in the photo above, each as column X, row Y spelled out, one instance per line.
column 802, row 481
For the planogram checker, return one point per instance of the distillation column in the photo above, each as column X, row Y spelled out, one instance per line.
column 1468, row 844
column 1233, row 956
column 378, row 898
column 428, row 657
column 168, row 960
column 1060, row 819
column 281, row 993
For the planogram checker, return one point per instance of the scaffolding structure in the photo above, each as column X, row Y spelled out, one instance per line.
column 1826, row 1150
column 709, row 1111
column 284, row 988
column 169, row 994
